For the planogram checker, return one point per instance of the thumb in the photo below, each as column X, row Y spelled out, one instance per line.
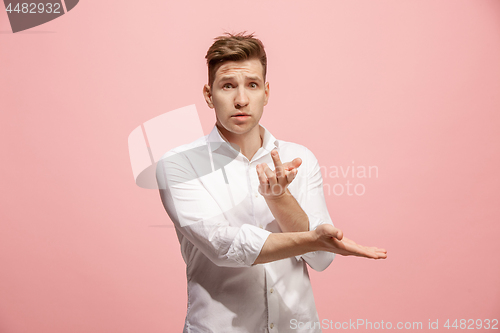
column 330, row 231
column 297, row 162
column 293, row 164
column 339, row 234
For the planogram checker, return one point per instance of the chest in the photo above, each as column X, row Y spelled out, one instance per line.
column 235, row 189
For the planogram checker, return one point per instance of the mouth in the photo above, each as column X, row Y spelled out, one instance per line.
column 242, row 115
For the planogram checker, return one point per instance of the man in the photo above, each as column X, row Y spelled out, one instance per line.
column 246, row 231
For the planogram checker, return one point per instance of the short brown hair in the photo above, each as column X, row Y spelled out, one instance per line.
column 234, row 47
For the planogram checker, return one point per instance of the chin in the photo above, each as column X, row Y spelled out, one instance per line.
column 238, row 130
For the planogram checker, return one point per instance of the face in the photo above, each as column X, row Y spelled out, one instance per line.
column 238, row 95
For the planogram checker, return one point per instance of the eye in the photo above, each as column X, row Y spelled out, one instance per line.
column 227, row 86
column 253, row 85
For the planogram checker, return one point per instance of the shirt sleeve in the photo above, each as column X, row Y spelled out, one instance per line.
column 314, row 206
column 199, row 218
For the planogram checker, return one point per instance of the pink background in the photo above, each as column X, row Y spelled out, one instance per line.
column 412, row 87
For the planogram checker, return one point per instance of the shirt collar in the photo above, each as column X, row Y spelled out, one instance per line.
column 215, row 139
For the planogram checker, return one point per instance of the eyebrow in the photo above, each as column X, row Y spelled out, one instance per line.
column 231, row 77
column 225, row 78
column 254, row 78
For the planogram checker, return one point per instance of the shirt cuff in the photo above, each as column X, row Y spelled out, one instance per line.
column 312, row 255
column 247, row 244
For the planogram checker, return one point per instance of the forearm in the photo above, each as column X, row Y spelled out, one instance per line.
column 288, row 213
column 285, row 245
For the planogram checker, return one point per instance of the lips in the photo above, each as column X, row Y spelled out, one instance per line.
column 240, row 115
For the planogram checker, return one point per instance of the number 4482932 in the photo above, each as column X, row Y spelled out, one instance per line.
column 471, row 324
column 34, row 8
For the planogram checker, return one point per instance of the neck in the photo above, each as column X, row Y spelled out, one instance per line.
column 248, row 142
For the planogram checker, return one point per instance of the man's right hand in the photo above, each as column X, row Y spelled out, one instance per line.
column 332, row 239
column 273, row 184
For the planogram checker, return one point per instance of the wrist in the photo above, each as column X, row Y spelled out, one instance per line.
column 310, row 241
column 279, row 197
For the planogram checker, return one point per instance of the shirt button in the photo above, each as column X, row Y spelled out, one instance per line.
column 256, row 194
column 260, row 226
column 272, row 325
column 272, row 290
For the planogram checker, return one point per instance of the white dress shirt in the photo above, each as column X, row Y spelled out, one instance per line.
column 210, row 191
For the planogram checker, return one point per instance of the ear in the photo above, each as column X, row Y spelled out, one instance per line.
column 207, row 93
column 267, row 93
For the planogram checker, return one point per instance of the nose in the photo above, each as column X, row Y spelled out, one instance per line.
column 241, row 98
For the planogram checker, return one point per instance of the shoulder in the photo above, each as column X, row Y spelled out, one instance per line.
column 290, row 150
column 198, row 143
column 299, row 150
column 185, row 162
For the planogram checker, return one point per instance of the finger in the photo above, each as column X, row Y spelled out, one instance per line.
column 340, row 234
column 297, row 162
column 369, row 248
column 354, row 249
column 262, row 176
column 365, row 253
column 290, row 175
column 278, row 166
column 293, row 164
column 288, row 166
column 379, row 253
column 336, row 234
column 377, row 249
column 382, row 253
column 373, row 253
column 270, row 175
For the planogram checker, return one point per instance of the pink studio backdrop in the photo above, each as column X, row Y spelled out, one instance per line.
column 409, row 88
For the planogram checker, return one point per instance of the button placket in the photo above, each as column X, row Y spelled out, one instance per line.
column 272, row 304
column 254, row 181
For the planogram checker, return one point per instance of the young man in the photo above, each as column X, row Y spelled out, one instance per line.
column 246, row 231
